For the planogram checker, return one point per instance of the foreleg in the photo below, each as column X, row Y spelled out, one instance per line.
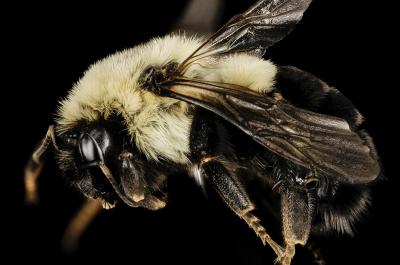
column 35, row 165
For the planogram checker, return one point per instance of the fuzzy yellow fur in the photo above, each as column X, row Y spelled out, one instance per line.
column 110, row 86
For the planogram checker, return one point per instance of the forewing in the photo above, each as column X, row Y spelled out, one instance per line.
column 253, row 31
column 319, row 142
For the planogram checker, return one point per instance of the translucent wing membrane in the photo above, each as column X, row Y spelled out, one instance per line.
column 319, row 142
column 253, row 31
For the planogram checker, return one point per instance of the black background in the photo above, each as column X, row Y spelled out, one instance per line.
column 50, row 46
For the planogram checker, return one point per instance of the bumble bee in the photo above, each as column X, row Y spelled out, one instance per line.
column 216, row 110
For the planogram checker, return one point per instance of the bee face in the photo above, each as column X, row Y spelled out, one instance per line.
column 131, row 179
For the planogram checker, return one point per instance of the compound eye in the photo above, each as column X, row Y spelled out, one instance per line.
column 90, row 150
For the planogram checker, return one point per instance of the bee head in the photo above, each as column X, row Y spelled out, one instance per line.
column 103, row 163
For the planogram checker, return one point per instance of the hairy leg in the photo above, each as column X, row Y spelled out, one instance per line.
column 35, row 165
column 79, row 223
column 219, row 171
column 236, row 198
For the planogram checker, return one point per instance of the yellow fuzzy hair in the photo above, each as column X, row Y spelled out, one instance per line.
column 110, row 86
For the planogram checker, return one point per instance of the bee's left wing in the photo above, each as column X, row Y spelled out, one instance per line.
column 318, row 142
column 253, row 31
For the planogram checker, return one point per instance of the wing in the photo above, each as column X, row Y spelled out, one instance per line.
column 318, row 142
column 253, row 31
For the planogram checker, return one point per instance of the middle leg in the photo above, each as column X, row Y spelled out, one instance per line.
column 219, row 170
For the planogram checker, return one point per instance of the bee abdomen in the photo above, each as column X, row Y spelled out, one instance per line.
column 307, row 91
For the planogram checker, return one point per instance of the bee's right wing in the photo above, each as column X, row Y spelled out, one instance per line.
column 253, row 31
column 318, row 142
